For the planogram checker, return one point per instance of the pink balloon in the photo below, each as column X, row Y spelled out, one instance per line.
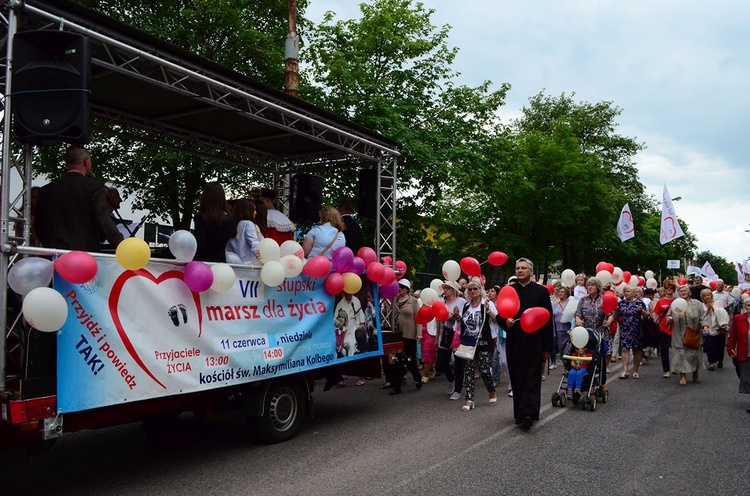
column 389, row 291
column 471, row 267
column 76, row 267
column 400, row 269
column 317, row 267
column 342, row 258
column 388, row 276
column 508, row 303
column 387, row 260
column 375, row 271
column 497, row 258
column 367, row 254
column 532, row 319
column 358, row 266
column 198, row 276
column 335, row 283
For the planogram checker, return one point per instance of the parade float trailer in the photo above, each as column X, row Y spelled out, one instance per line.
column 139, row 344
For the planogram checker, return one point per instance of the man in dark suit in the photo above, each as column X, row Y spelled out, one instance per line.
column 352, row 232
column 71, row 212
column 527, row 350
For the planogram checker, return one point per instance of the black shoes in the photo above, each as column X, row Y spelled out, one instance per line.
column 394, row 392
column 526, row 423
column 418, row 384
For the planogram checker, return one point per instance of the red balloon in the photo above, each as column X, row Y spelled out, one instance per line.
column 712, row 284
column 532, row 319
column 550, row 288
column 375, row 271
column 682, row 281
column 367, row 255
column 424, row 314
column 471, row 267
column 626, row 276
column 387, row 260
column 400, row 269
column 317, row 267
column 508, row 303
column 609, row 302
column 440, row 310
column 641, row 281
column 76, row 267
column 335, row 283
column 497, row 258
column 600, row 266
column 388, row 276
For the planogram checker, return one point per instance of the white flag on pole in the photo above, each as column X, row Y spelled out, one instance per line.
column 708, row 272
column 670, row 228
column 625, row 226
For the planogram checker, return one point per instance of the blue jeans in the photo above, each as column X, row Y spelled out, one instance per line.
column 575, row 377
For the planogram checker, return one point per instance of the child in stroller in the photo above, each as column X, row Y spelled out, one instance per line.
column 585, row 376
column 579, row 368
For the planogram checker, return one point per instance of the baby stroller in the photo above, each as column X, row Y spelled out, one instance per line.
column 594, row 386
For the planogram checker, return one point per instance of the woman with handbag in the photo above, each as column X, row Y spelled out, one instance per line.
column 737, row 347
column 659, row 309
column 718, row 323
column 687, row 338
column 452, row 300
column 477, row 342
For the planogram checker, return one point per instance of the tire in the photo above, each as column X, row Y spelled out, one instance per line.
column 592, row 406
column 605, row 395
column 563, row 399
column 555, row 399
column 283, row 412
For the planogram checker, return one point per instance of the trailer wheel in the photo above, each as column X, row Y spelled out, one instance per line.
column 283, row 412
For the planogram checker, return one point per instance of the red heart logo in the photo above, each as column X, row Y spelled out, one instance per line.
column 114, row 310
column 670, row 231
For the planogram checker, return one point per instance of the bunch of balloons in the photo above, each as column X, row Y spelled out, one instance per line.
column 432, row 307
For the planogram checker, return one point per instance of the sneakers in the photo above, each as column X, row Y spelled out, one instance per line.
column 455, row 396
column 451, row 387
column 576, row 396
column 570, row 394
column 552, row 366
column 510, row 393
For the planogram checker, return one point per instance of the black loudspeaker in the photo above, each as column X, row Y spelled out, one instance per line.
column 51, row 72
column 307, row 197
column 367, row 207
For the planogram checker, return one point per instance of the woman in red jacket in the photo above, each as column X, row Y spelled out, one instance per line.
column 738, row 349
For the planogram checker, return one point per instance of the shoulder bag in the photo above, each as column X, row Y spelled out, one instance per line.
column 466, row 351
column 692, row 339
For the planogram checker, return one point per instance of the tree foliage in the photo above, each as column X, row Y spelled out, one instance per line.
column 724, row 269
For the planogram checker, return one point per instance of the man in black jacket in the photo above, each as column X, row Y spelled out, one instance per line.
column 71, row 211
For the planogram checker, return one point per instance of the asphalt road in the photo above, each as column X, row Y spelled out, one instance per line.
column 652, row 437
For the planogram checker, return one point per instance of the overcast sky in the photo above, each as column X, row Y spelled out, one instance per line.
column 680, row 70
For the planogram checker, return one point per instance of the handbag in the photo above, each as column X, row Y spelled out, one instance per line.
column 465, row 351
column 456, row 341
column 692, row 339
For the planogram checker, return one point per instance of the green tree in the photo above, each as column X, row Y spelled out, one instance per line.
column 724, row 269
column 391, row 71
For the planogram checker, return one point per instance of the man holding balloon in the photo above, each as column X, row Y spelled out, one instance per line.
column 529, row 342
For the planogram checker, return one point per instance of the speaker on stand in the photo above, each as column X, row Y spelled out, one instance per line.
column 367, row 206
column 306, row 197
column 51, row 72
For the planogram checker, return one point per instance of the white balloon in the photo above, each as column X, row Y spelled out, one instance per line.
column 292, row 265
column 224, row 277
column 437, row 285
column 617, row 275
column 649, row 274
column 745, row 296
column 633, row 281
column 620, row 288
column 451, row 270
column 604, row 277
column 272, row 273
column 183, row 245
column 570, row 309
column 268, row 251
column 651, row 282
column 31, row 273
column 291, row 247
column 736, row 291
column 428, row 296
column 679, row 305
column 722, row 317
column 579, row 336
column 45, row 309
column 568, row 278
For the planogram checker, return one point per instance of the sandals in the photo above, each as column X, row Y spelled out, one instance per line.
column 361, row 382
column 624, row 376
column 683, row 381
column 636, row 376
column 493, row 399
column 425, row 379
column 468, row 406
column 666, row 375
column 387, row 385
